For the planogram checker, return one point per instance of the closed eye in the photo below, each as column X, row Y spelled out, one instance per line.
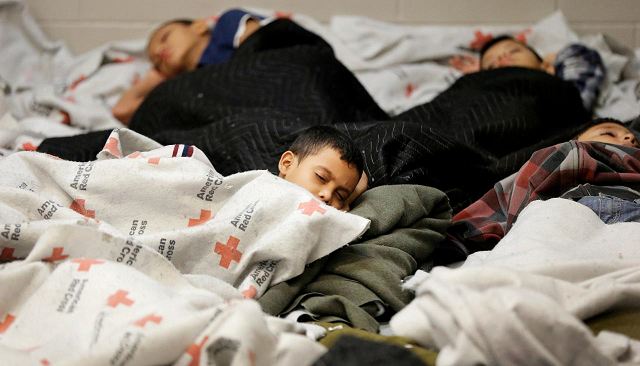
column 321, row 178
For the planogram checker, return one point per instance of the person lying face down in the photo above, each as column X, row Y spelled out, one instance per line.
column 182, row 45
column 328, row 164
column 607, row 130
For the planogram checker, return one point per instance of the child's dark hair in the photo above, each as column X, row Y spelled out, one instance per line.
column 177, row 21
column 596, row 122
column 505, row 37
column 185, row 22
column 316, row 138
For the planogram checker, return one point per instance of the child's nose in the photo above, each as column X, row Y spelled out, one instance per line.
column 630, row 138
column 325, row 196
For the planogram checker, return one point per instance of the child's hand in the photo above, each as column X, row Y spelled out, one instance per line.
column 362, row 186
column 155, row 76
column 465, row 63
column 131, row 98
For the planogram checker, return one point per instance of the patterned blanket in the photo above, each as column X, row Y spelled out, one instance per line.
column 549, row 173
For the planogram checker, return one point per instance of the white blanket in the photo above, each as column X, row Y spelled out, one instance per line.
column 144, row 256
column 50, row 91
column 522, row 302
column 404, row 66
column 250, row 229
column 74, row 306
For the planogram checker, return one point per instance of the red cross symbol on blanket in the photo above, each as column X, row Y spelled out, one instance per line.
column 252, row 357
column 194, row 351
column 77, row 81
column 409, row 91
column 522, row 36
column 7, row 254
column 149, row 318
column 86, row 263
column 112, row 146
column 283, row 15
column 27, row 146
column 250, row 293
column 228, row 251
column 56, row 255
column 308, row 208
column 4, row 325
column 480, row 40
column 205, row 215
column 78, row 206
column 120, row 297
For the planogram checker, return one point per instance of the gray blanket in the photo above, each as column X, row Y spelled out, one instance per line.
column 407, row 222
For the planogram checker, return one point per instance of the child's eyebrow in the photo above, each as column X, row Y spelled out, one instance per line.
column 345, row 190
column 326, row 170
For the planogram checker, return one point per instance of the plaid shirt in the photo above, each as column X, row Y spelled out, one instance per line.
column 583, row 67
column 549, row 173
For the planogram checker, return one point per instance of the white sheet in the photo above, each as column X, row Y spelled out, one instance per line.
column 521, row 303
column 89, row 310
column 404, row 66
column 145, row 256
column 250, row 229
column 49, row 86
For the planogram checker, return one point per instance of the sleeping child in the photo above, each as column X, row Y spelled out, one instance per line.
column 328, row 164
column 607, row 130
column 575, row 63
column 604, row 178
column 179, row 46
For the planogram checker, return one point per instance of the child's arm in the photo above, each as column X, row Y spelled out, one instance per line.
column 131, row 99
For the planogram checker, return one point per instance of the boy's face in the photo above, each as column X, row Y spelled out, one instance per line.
column 609, row 132
column 324, row 174
column 509, row 53
column 173, row 48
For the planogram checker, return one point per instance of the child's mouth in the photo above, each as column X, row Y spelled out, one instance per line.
column 165, row 54
column 505, row 62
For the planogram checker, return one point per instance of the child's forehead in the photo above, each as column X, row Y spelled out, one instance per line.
column 609, row 124
column 165, row 26
column 325, row 153
column 505, row 43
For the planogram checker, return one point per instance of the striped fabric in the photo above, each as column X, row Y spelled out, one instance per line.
column 549, row 173
column 184, row 151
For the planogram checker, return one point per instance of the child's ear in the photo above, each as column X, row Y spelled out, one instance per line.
column 200, row 26
column 286, row 162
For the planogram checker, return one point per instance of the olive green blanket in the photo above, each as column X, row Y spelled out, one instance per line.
column 358, row 282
